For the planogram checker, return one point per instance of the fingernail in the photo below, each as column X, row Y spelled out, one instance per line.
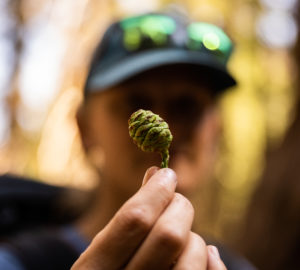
column 151, row 171
column 167, row 174
column 214, row 251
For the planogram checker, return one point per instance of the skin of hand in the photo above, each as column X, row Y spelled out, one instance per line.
column 152, row 230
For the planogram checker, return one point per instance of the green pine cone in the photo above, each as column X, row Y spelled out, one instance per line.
column 151, row 133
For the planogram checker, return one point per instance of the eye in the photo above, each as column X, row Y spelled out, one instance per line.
column 185, row 108
column 139, row 101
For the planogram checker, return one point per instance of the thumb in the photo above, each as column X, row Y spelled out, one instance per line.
column 149, row 173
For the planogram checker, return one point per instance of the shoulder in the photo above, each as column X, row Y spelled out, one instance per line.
column 25, row 203
column 234, row 261
column 41, row 249
column 231, row 258
column 9, row 261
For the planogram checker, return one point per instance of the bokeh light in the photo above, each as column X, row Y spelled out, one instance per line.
column 280, row 4
column 4, row 123
column 137, row 6
column 277, row 29
column 7, row 64
column 43, row 51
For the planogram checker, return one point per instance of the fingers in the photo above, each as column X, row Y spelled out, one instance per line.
column 117, row 242
column 194, row 255
column 167, row 238
column 214, row 260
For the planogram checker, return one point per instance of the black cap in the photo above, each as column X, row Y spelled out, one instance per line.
column 140, row 43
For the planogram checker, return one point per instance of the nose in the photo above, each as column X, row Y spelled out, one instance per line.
column 181, row 129
column 182, row 112
column 182, row 132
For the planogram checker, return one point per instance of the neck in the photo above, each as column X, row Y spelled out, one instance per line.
column 105, row 205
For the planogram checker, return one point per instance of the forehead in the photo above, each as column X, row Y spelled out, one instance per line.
column 164, row 83
column 169, row 80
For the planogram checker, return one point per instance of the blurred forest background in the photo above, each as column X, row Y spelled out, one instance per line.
column 45, row 48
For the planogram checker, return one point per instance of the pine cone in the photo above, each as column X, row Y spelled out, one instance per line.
column 151, row 133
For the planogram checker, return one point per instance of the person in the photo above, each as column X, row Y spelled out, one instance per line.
column 141, row 220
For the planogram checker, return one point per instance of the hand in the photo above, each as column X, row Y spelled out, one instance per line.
column 152, row 230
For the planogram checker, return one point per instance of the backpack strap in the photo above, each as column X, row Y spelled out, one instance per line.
column 43, row 249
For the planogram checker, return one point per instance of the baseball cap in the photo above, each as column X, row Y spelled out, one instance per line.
column 140, row 43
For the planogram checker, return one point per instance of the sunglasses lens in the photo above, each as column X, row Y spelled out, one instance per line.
column 153, row 28
column 156, row 31
column 209, row 36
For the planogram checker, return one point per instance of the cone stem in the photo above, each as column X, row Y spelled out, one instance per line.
column 165, row 159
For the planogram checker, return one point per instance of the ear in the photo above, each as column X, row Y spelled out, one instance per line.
column 84, row 127
column 208, row 137
column 94, row 152
column 213, row 123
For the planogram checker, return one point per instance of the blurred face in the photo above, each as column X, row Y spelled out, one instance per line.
column 185, row 104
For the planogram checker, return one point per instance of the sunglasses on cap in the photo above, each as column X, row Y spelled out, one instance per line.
column 140, row 43
column 160, row 31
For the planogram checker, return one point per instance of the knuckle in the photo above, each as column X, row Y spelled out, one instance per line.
column 198, row 240
column 171, row 238
column 135, row 218
column 185, row 202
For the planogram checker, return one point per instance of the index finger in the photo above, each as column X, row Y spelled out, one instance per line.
column 118, row 241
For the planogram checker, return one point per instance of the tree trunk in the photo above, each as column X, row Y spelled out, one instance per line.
column 271, row 235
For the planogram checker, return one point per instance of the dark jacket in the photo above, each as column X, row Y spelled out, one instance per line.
column 32, row 228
